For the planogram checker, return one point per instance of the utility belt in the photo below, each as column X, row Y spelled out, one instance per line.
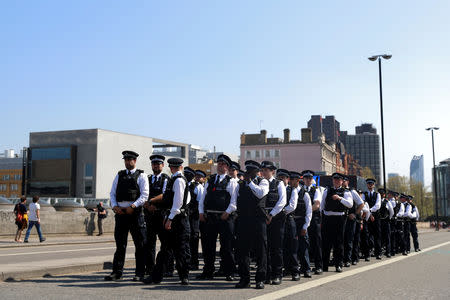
column 218, row 213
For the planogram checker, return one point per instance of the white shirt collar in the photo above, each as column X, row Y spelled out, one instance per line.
column 132, row 171
column 176, row 173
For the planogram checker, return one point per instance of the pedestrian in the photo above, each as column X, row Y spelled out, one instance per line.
column 101, row 215
column 34, row 217
column 129, row 192
column 414, row 217
column 20, row 210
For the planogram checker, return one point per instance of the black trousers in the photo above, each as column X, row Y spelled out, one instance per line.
column 194, row 224
column 406, row 233
column 333, row 237
column 349, row 235
column 303, row 247
column 100, row 224
column 215, row 226
column 275, row 236
column 176, row 240
column 386, row 234
column 290, row 246
column 315, row 238
column 356, row 241
column 394, row 242
column 155, row 228
column 134, row 224
column 414, row 235
column 251, row 234
column 375, row 233
column 365, row 240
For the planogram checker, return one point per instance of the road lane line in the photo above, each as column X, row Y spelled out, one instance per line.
column 311, row 284
column 58, row 251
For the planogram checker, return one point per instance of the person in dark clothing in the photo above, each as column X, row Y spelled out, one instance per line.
column 20, row 210
column 101, row 215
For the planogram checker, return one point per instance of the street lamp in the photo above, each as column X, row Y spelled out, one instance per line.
column 432, row 129
column 374, row 58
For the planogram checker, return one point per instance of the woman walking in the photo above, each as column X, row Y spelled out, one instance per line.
column 20, row 210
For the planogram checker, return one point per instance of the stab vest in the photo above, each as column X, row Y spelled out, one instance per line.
column 300, row 210
column 272, row 196
column 384, row 211
column 334, row 205
column 167, row 202
column 372, row 201
column 217, row 197
column 127, row 186
column 248, row 205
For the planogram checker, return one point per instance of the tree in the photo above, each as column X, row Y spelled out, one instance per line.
column 366, row 172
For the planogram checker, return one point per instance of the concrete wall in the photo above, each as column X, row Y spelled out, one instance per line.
column 60, row 223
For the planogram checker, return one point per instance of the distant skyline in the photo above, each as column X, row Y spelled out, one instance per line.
column 203, row 72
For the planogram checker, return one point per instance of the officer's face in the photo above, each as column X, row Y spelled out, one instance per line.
column 233, row 173
column 130, row 163
column 337, row 182
column 157, row 167
column 295, row 182
column 370, row 185
column 267, row 173
column 345, row 183
column 173, row 170
column 198, row 178
column 285, row 179
column 307, row 180
column 222, row 168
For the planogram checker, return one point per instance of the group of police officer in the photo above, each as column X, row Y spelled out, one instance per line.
column 276, row 217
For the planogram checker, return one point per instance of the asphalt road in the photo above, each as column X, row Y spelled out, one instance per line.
column 418, row 276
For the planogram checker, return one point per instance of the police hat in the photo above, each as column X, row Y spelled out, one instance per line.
column 282, row 172
column 251, row 164
column 382, row 191
column 346, row 177
column 224, row 158
column 235, row 165
column 240, row 173
column 129, row 154
column 268, row 164
column 307, row 173
column 410, row 197
column 392, row 193
column 175, row 162
column 293, row 174
column 200, row 173
column 189, row 170
column 371, row 180
column 403, row 196
column 337, row 175
column 157, row 159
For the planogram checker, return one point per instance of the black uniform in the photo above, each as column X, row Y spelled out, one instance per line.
column 194, row 223
column 375, row 226
column 394, row 229
column 315, row 233
column 217, row 200
column 413, row 229
column 385, row 224
column 252, row 232
column 290, row 243
column 349, row 234
column 154, row 222
column 128, row 190
column 303, row 241
column 176, row 239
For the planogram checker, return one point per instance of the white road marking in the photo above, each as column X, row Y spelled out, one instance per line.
column 58, row 251
column 311, row 284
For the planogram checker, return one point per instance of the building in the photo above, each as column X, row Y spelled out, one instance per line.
column 329, row 126
column 290, row 154
column 83, row 163
column 365, row 128
column 10, row 175
column 443, row 187
column 416, row 172
column 392, row 175
column 197, row 155
column 214, row 155
column 365, row 148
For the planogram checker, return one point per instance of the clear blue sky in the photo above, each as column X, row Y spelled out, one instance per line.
column 203, row 72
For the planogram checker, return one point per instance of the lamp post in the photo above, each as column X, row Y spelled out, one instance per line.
column 374, row 58
column 432, row 129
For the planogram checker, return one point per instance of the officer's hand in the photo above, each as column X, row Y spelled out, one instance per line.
column 151, row 208
column 147, row 205
column 351, row 216
column 168, row 225
column 117, row 210
column 371, row 218
column 335, row 197
column 303, row 232
column 269, row 219
column 247, row 177
column 224, row 216
column 129, row 210
column 202, row 217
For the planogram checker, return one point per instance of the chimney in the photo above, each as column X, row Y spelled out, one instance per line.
column 263, row 137
column 243, row 138
column 287, row 136
column 306, row 135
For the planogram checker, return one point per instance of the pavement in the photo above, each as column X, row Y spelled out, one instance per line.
column 420, row 275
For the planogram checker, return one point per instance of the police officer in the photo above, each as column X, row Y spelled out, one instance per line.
column 234, row 170
column 413, row 218
column 386, row 212
column 153, row 214
column 359, row 227
column 374, row 200
column 336, row 200
column 350, row 226
column 216, row 207
column 402, row 224
column 196, row 190
column 176, row 224
column 275, row 202
column 391, row 195
column 251, row 225
column 407, row 216
column 128, row 193
column 314, row 231
column 302, row 211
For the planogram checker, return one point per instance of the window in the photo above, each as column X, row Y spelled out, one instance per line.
column 88, row 170
column 267, row 153
column 50, row 188
column 3, row 187
column 277, row 153
column 14, row 187
column 257, row 154
column 6, row 177
column 248, row 154
column 17, row 177
column 88, row 186
column 50, row 153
